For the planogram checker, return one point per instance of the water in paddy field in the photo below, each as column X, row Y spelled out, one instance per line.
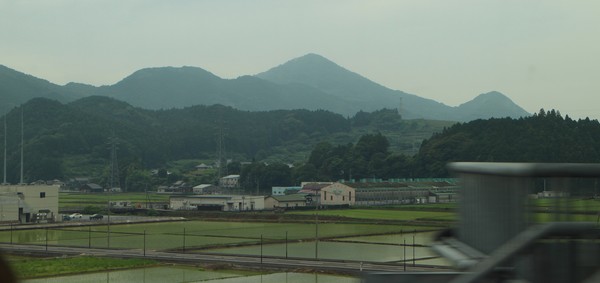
column 184, row 274
column 382, row 248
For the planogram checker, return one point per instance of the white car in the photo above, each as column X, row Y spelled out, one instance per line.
column 76, row 216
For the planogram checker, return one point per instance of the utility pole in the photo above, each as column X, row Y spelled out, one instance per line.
column 414, row 246
column 286, row 244
column 317, row 230
column 22, row 145
column 404, row 261
column 114, row 178
column 5, row 145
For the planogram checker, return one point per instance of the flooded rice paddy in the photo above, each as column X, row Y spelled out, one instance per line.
column 189, row 275
column 381, row 248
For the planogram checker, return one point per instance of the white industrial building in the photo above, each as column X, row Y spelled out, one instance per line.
column 217, row 202
column 28, row 203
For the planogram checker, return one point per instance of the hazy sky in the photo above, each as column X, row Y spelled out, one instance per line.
column 542, row 54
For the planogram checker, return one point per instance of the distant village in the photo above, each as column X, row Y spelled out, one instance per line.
column 38, row 201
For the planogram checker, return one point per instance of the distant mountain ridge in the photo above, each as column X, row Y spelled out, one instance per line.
column 319, row 72
column 17, row 88
column 309, row 82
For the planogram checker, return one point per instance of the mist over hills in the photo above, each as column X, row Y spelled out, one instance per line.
column 309, row 82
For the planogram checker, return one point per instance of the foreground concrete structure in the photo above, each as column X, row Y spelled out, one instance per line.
column 28, row 203
column 500, row 236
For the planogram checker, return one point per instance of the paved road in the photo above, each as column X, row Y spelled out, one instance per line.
column 353, row 267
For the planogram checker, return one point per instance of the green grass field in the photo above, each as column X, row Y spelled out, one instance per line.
column 386, row 214
column 571, row 204
column 36, row 267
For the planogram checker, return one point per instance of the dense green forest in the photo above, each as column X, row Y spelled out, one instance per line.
column 71, row 140
column 543, row 137
column 279, row 148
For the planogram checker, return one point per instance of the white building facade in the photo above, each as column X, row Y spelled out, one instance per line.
column 217, row 202
column 338, row 194
column 29, row 203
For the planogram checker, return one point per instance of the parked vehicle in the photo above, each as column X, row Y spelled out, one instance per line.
column 96, row 216
column 76, row 216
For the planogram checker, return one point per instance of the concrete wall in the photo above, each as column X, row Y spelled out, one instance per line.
column 9, row 208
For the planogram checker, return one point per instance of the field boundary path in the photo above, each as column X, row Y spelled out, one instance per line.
column 350, row 267
column 85, row 221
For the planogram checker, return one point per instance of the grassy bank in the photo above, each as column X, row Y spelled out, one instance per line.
column 26, row 268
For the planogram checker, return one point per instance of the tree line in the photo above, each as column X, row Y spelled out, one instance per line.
column 545, row 136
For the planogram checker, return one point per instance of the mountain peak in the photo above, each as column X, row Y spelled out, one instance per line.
column 319, row 72
column 492, row 104
column 185, row 71
column 311, row 67
column 492, row 95
column 311, row 58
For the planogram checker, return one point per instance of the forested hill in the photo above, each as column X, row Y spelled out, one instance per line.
column 70, row 140
column 543, row 137
column 66, row 140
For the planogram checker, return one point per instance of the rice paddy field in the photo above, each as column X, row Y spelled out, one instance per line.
column 378, row 234
column 194, row 234
column 386, row 214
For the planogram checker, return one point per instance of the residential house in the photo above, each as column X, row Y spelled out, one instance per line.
column 313, row 192
column 203, row 166
column 230, row 182
column 76, row 183
column 91, row 188
column 328, row 193
column 179, row 187
column 291, row 201
column 337, row 194
column 206, row 189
